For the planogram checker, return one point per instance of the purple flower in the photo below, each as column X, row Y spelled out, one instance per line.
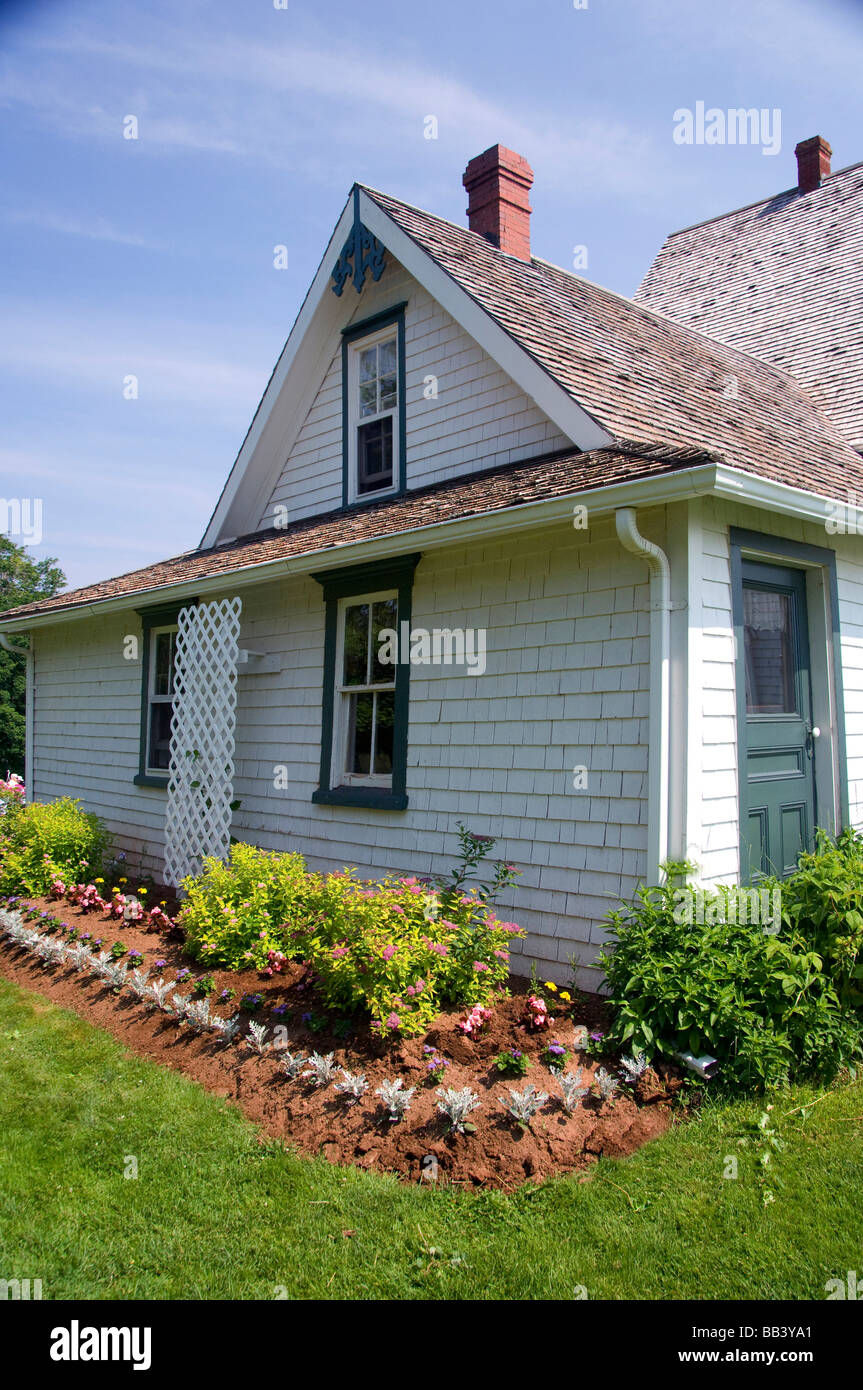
column 280, row 1009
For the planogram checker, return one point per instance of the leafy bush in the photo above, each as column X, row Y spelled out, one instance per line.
column 764, row 1005
column 40, row 842
column 824, row 900
column 400, row 949
column 237, row 912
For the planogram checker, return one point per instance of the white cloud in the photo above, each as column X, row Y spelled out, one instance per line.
column 96, row 229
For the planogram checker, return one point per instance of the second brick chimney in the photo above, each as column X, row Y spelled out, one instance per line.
column 498, row 183
column 813, row 163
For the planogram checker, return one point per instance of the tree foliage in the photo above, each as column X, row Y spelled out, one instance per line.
column 22, row 580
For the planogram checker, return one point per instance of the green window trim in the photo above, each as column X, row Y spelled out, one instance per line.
column 350, row 336
column 350, row 582
column 162, row 616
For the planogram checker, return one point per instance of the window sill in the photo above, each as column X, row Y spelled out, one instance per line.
column 149, row 779
column 375, row 797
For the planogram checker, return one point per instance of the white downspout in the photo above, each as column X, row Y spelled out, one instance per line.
column 660, row 665
column 27, row 653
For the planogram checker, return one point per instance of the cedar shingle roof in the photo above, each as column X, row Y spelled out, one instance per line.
column 639, row 374
column 783, row 280
column 642, row 376
column 493, row 489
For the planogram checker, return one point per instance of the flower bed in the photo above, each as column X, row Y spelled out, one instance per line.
column 247, row 1055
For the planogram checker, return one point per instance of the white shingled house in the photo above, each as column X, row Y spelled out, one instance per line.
column 503, row 547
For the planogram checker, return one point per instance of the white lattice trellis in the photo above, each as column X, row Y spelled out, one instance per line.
column 201, row 776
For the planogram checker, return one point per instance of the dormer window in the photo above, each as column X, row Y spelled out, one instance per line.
column 373, row 407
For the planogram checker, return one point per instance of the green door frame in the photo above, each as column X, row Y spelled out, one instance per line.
column 764, row 548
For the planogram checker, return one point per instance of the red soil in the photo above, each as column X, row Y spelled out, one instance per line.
column 498, row 1154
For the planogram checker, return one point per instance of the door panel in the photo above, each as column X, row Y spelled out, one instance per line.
column 776, row 748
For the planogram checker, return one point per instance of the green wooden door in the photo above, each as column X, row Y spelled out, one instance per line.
column 777, row 749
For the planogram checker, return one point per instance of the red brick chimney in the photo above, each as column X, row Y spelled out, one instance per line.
column 498, row 183
column 813, row 163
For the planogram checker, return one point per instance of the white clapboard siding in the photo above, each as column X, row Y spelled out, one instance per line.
column 480, row 417
column 719, row 810
column 566, row 683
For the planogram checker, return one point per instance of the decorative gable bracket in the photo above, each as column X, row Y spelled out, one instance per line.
column 361, row 253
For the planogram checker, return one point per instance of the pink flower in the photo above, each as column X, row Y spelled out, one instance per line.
column 502, row 955
column 439, row 948
column 479, row 965
column 399, row 910
column 339, row 951
column 393, row 1022
column 389, row 952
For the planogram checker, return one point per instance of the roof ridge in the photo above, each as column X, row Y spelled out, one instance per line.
column 759, row 202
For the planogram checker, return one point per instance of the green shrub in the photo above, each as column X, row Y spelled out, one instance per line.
column 40, row 842
column 763, row 1004
column 236, row 912
column 399, row 949
column 824, row 899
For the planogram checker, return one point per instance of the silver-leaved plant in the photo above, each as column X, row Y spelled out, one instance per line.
column 292, row 1064
column 353, row 1086
column 631, row 1068
column 322, row 1069
column 395, row 1098
column 607, row 1084
column 573, row 1090
column 457, row 1105
column 523, row 1105
column 255, row 1039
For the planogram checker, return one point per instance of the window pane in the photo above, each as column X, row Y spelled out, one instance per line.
column 375, row 455
column 163, row 663
column 384, row 614
column 368, row 364
column 384, row 718
column 359, row 733
column 388, row 357
column 369, row 398
column 768, row 639
column 389, row 394
column 356, row 670
column 159, row 747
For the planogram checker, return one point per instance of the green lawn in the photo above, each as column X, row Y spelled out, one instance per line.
column 215, row 1213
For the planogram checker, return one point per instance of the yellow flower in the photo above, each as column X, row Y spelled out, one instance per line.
column 567, row 997
column 142, row 892
column 98, row 880
column 549, row 984
column 123, row 880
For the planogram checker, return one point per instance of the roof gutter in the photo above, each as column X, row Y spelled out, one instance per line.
column 698, row 481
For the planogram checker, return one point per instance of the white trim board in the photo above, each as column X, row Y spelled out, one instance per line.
column 700, row 481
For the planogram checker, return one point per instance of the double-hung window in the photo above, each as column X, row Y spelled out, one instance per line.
column 158, row 662
column 160, row 698
column 364, row 737
column 373, row 407
column 366, row 692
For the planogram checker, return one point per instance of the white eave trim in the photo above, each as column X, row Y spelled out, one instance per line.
column 699, row 481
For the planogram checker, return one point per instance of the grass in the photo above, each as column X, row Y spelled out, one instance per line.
column 218, row 1213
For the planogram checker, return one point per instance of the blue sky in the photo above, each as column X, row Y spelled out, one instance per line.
column 154, row 257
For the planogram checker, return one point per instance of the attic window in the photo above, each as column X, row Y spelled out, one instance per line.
column 374, row 408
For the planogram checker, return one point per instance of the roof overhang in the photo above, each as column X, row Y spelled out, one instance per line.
column 710, row 479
